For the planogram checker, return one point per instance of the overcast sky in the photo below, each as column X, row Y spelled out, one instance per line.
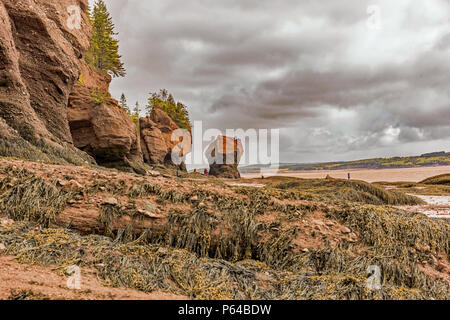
column 341, row 82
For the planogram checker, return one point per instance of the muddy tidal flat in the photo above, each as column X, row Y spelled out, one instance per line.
column 368, row 175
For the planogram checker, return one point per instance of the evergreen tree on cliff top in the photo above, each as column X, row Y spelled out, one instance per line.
column 176, row 110
column 137, row 109
column 123, row 103
column 104, row 50
column 135, row 117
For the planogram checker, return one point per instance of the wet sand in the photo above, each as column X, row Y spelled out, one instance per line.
column 437, row 206
column 368, row 175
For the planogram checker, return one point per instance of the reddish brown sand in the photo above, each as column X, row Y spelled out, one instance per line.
column 47, row 284
column 388, row 175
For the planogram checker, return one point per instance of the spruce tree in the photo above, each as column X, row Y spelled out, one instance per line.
column 176, row 110
column 104, row 48
column 137, row 109
column 123, row 103
column 135, row 116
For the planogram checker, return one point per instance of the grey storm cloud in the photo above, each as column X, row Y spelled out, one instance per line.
column 337, row 88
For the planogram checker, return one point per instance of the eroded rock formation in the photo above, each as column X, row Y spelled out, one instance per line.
column 99, row 126
column 156, row 139
column 40, row 57
column 52, row 105
column 223, row 156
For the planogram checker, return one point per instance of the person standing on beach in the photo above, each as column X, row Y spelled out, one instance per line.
column 349, row 176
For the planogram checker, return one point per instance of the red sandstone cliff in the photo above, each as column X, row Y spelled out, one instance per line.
column 99, row 126
column 40, row 58
column 52, row 105
column 156, row 139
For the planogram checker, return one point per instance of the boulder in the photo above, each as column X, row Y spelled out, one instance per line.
column 156, row 139
column 111, row 202
column 223, row 156
column 346, row 230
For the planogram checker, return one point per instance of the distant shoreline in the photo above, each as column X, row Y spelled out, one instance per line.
column 435, row 159
column 411, row 174
column 246, row 171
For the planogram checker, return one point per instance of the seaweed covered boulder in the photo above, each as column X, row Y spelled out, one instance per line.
column 40, row 58
column 223, row 156
column 157, row 144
